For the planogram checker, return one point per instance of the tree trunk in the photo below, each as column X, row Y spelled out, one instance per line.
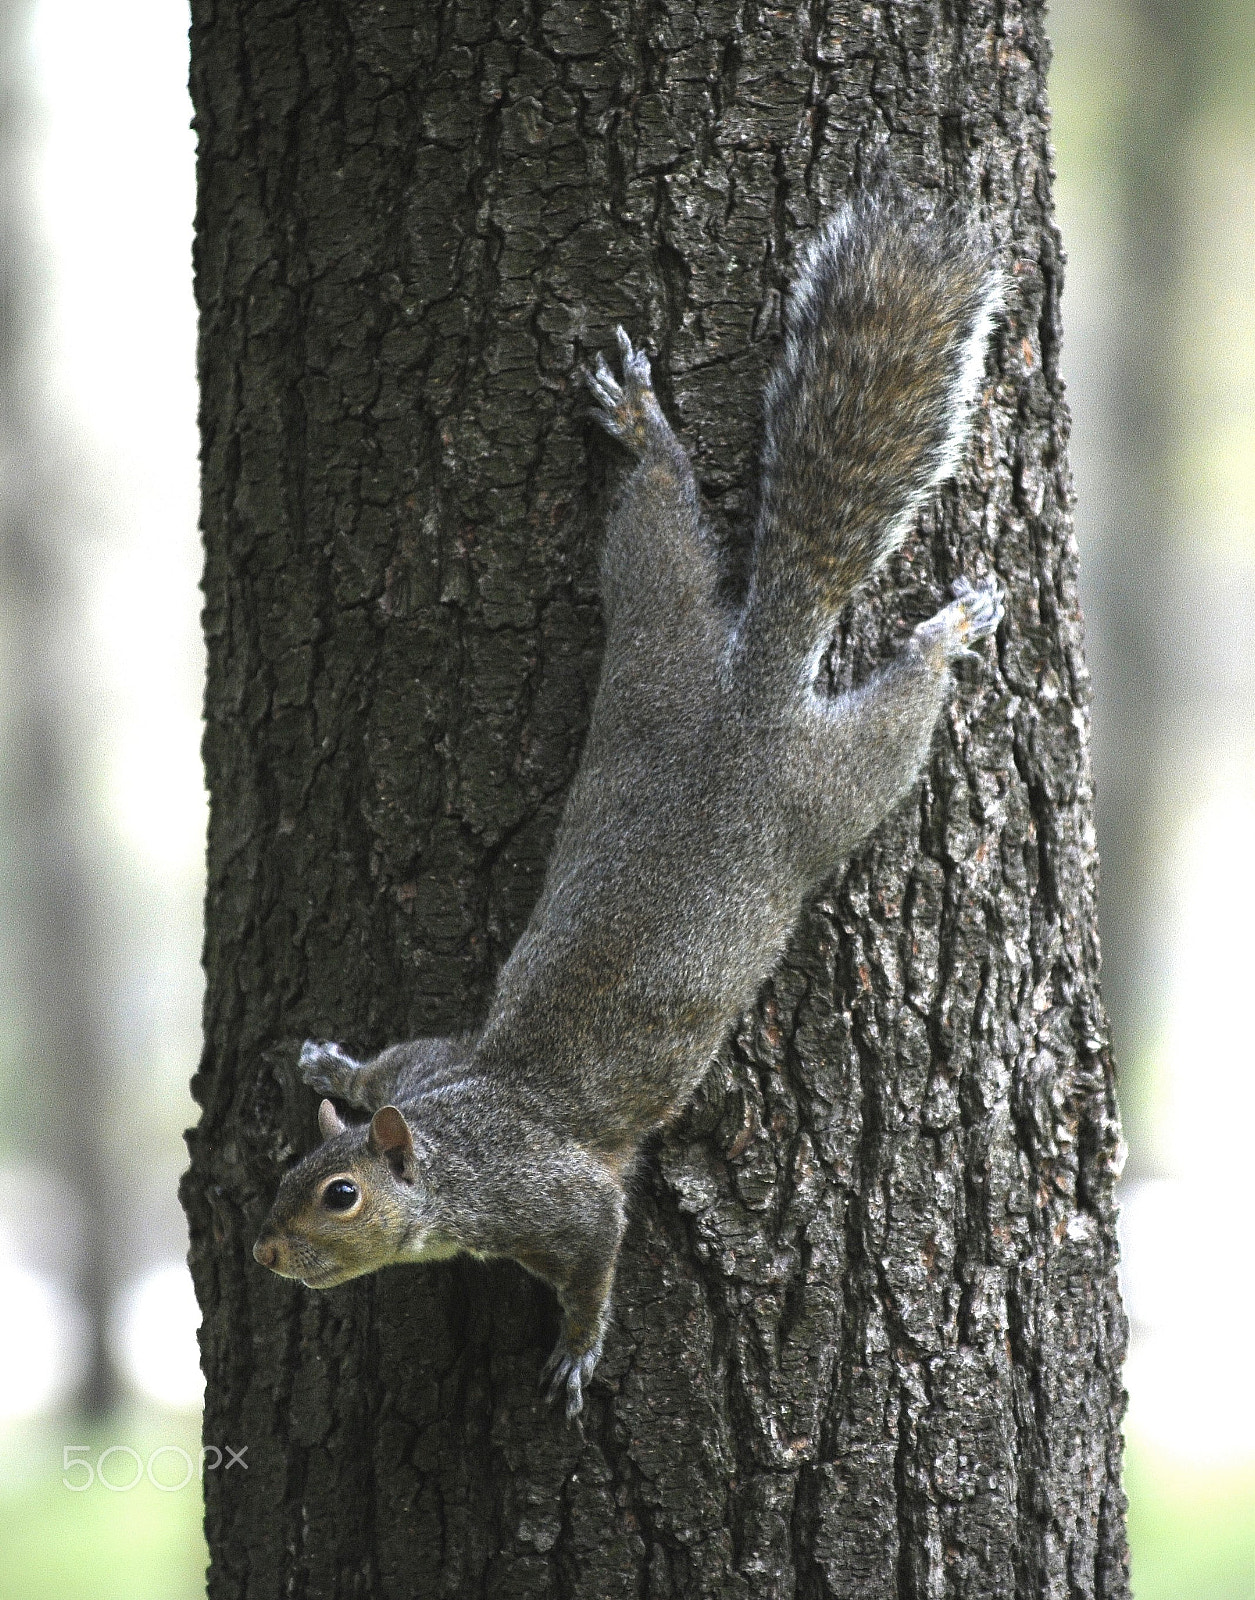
column 867, row 1335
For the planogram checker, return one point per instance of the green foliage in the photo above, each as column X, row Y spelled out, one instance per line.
column 58, row 1543
column 1192, row 1533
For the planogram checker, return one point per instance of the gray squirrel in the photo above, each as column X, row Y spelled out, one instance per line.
column 720, row 783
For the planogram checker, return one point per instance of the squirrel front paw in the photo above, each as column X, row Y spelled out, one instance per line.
column 628, row 410
column 568, row 1369
column 973, row 614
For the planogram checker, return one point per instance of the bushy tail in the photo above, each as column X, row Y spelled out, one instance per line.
column 867, row 409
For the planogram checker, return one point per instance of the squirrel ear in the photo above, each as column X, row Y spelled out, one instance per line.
column 391, row 1138
column 330, row 1122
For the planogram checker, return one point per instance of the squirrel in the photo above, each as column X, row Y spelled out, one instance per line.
column 722, row 780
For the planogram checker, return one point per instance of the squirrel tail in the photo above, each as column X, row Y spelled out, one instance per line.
column 868, row 409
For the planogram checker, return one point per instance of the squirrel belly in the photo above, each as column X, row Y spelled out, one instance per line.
column 719, row 784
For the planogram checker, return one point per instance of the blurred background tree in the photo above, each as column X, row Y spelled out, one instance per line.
column 1154, row 117
column 51, row 910
column 101, row 810
column 1155, row 134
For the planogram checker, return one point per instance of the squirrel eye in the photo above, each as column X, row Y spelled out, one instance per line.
column 340, row 1195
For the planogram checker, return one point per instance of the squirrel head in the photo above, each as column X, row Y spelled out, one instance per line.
column 356, row 1203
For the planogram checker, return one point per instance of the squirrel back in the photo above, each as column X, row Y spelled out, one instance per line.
column 885, row 333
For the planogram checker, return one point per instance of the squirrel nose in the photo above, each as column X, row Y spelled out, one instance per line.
column 267, row 1252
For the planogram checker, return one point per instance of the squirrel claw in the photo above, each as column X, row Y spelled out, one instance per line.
column 567, row 1373
column 604, row 388
column 636, row 369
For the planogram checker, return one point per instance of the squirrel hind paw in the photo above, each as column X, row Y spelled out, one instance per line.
column 625, row 410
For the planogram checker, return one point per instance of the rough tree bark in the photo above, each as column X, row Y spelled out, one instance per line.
column 867, row 1334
